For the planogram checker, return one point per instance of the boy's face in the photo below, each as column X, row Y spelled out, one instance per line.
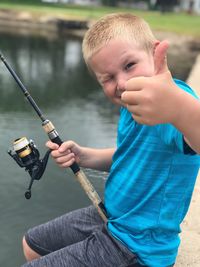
column 116, row 63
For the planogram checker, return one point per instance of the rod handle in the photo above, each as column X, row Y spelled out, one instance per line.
column 55, row 138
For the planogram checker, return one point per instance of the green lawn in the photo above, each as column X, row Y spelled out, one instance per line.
column 173, row 22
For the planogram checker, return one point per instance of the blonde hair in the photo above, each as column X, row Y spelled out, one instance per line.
column 123, row 26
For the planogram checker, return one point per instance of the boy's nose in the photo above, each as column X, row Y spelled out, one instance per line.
column 121, row 84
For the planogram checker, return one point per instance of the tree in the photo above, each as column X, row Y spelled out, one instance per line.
column 191, row 7
column 109, row 2
column 166, row 5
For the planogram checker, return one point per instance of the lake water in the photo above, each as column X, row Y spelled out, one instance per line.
column 55, row 75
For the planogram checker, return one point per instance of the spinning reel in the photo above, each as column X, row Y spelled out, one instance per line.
column 27, row 156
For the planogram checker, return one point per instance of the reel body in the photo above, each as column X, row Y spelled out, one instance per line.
column 26, row 155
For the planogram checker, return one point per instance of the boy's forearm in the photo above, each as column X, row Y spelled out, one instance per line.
column 98, row 159
column 188, row 120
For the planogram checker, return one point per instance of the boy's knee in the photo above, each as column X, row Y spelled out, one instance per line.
column 28, row 252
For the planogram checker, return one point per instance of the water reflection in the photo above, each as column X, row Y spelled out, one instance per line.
column 72, row 54
column 47, row 69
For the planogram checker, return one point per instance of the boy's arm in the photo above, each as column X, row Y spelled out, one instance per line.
column 188, row 120
column 162, row 101
column 69, row 152
column 157, row 99
column 98, row 159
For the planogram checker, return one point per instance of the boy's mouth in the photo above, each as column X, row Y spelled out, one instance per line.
column 119, row 93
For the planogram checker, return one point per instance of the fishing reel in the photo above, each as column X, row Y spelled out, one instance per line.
column 27, row 156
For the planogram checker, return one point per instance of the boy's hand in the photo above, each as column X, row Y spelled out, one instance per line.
column 66, row 154
column 153, row 100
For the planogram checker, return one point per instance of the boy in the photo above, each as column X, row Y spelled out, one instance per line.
column 152, row 170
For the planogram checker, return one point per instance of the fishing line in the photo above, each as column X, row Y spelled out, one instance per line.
column 27, row 156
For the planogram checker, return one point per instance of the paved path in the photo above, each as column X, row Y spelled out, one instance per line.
column 189, row 253
column 194, row 76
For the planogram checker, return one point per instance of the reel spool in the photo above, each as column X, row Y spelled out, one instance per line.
column 26, row 155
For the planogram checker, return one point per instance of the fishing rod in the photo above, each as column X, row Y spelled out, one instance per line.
column 26, row 154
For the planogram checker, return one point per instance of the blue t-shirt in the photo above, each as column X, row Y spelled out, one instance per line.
column 149, row 188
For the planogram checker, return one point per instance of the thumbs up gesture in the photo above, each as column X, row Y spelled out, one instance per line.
column 153, row 100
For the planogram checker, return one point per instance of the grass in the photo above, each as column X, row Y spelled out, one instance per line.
column 180, row 23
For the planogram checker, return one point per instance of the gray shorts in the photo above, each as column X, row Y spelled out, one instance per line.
column 79, row 238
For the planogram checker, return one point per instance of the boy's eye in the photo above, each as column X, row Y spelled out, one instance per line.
column 129, row 65
column 108, row 79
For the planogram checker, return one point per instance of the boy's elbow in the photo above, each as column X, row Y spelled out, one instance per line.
column 192, row 147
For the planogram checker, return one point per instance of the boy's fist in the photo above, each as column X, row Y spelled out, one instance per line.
column 153, row 100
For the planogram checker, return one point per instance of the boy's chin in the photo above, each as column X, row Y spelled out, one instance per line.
column 122, row 104
column 118, row 102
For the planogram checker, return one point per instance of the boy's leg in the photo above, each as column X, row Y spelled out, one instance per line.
column 77, row 239
column 98, row 250
column 28, row 252
column 63, row 231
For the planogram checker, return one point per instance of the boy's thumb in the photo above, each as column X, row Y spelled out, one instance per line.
column 160, row 57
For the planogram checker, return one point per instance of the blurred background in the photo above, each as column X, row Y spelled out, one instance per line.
column 41, row 40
